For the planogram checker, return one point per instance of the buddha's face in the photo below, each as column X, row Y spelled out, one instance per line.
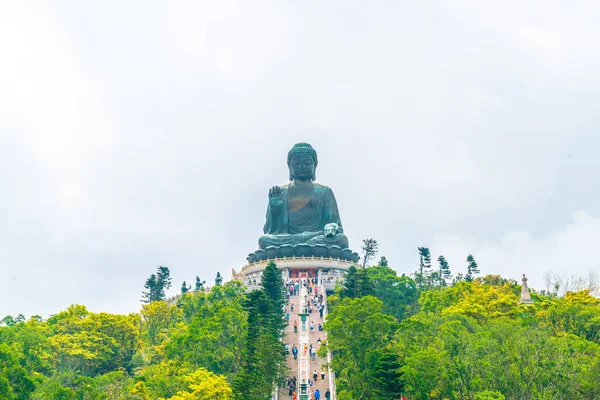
column 302, row 167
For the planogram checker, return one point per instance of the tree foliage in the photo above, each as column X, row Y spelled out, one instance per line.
column 263, row 360
column 472, row 268
column 358, row 333
column 157, row 285
column 160, row 353
column 370, row 249
column 470, row 340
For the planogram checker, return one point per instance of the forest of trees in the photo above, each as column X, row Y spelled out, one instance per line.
column 200, row 348
column 430, row 336
column 467, row 338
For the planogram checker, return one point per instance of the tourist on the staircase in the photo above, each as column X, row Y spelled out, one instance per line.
column 327, row 395
column 315, row 375
column 322, row 373
column 317, row 395
column 296, row 326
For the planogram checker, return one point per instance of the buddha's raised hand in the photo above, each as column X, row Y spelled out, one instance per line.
column 275, row 197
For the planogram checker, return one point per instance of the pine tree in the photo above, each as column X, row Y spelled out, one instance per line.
column 163, row 279
column 387, row 376
column 370, row 249
column 383, row 262
column 349, row 285
column 357, row 283
column 364, row 286
column 472, row 268
column 272, row 283
column 264, row 356
column 251, row 382
column 150, row 293
column 424, row 266
column 218, row 279
column 156, row 285
column 444, row 272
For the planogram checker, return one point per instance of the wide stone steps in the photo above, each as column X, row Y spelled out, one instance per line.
column 303, row 367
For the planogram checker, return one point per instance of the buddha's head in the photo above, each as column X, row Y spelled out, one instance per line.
column 302, row 162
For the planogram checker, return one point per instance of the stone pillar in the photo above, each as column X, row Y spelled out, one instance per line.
column 525, row 297
column 304, row 395
column 303, row 363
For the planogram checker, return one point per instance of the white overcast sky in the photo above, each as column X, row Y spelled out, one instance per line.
column 138, row 134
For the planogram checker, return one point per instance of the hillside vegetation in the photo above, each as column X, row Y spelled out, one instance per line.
column 200, row 348
column 467, row 340
column 389, row 335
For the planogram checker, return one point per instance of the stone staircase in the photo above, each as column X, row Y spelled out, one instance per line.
column 304, row 367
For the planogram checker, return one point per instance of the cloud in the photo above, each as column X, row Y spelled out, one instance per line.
column 148, row 135
column 566, row 252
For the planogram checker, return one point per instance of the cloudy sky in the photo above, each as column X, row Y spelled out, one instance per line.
column 139, row 134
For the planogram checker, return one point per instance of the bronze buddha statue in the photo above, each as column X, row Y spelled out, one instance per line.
column 302, row 211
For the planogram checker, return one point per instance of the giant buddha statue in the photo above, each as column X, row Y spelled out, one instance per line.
column 302, row 212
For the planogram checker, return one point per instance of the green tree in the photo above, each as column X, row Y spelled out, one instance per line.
column 489, row 395
column 370, row 249
column 472, row 268
column 272, row 283
column 577, row 313
column 387, row 376
column 349, row 283
column 92, row 343
column 15, row 381
column 152, row 292
column 218, row 279
column 356, row 283
column 204, row 385
column 358, row 332
column 156, row 286
column 263, row 355
column 216, row 321
column 158, row 321
column 422, row 276
column 398, row 293
column 164, row 379
column 444, row 271
column 163, row 279
column 383, row 262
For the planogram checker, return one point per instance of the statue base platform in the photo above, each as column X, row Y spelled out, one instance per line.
column 302, row 250
column 327, row 270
